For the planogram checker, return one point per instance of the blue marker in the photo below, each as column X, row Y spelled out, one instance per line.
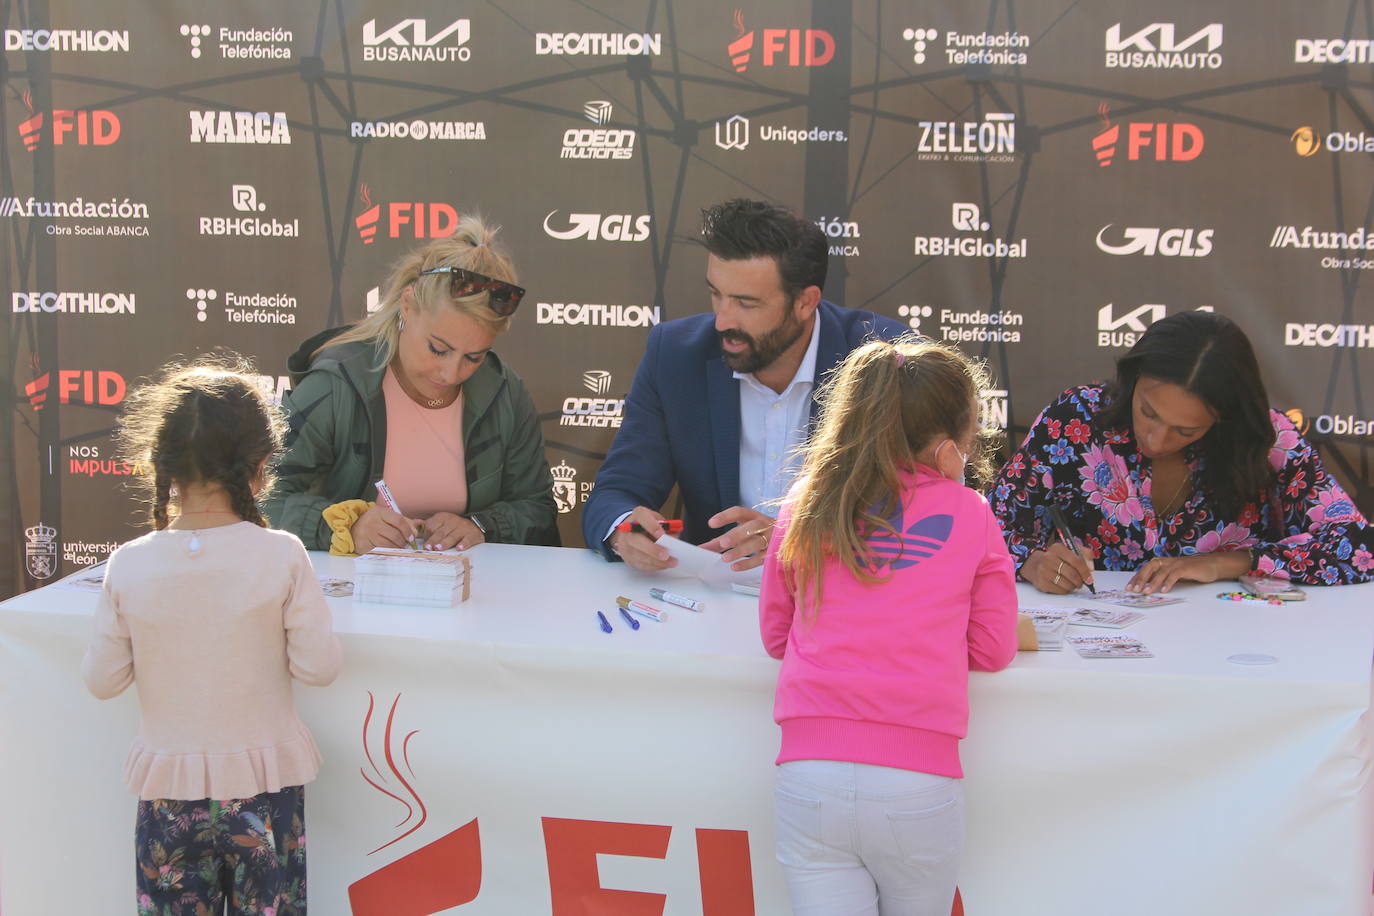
column 605, row 624
column 634, row 624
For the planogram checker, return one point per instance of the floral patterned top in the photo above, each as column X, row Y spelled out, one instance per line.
column 1101, row 482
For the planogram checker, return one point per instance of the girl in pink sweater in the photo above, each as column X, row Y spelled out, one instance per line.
column 212, row 615
column 887, row 580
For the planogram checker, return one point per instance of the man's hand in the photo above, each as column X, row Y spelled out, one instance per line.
column 637, row 548
column 745, row 545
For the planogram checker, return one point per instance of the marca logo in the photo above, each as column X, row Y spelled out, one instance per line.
column 800, row 47
column 1333, row 51
column 1157, row 47
column 582, row 143
column 598, row 44
column 410, row 41
column 991, row 48
column 239, row 127
column 66, row 40
column 413, row 219
column 1125, row 330
column 1306, row 143
column 600, row 411
column 597, row 314
column 617, row 227
column 88, row 387
column 240, row 44
column 244, row 198
column 247, row 308
column 1329, row 335
column 1156, row 141
column 67, row 127
column 966, row 217
column 1171, row 243
column 73, row 303
column 992, row 139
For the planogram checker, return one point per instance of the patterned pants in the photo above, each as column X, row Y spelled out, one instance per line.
column 193, row 856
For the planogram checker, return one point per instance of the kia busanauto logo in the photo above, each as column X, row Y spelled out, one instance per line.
column 1158, row 47
column 410, row 41
column 617, row 227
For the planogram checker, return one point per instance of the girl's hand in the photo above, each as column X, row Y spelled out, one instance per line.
column 380, row 527
column 1057, row 570
column 1161, row 573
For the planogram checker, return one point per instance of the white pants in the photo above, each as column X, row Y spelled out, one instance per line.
column 860, row 840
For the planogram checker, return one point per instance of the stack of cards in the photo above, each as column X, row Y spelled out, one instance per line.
column 1131, row 599
column 1050, row 625
column 412, row 577
column 1123, row 645
column 1102, row 617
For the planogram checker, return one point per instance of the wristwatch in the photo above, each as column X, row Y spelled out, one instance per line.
column 481, row 525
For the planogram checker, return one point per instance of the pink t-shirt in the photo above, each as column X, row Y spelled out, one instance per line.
column 424, row 465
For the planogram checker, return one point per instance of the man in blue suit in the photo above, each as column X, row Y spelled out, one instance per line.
column 720, row 400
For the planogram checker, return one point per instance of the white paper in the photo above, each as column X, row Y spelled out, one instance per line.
column 706, row 565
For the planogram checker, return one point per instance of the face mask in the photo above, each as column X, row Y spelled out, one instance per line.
column 963, row 462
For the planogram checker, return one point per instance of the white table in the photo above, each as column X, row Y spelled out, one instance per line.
column 641, row 761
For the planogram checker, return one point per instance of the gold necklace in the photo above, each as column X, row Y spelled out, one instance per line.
column 432, row 403
column 1167, row 509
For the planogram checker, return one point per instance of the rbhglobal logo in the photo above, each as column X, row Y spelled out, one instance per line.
column 967, row 218
column 244, row 198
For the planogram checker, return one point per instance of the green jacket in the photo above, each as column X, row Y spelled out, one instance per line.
column 336, row 443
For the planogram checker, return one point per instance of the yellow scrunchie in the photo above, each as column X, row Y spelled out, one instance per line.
column 340, row 518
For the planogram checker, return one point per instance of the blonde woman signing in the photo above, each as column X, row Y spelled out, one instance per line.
column 415, row 394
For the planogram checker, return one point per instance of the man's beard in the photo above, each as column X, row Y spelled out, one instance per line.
column 763, row 352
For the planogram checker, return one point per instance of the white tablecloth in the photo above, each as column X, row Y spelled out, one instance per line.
column 538, row 765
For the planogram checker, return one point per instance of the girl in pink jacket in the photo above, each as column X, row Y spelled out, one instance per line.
column 886, row 582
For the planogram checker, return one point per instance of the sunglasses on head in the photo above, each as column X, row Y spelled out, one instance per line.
column 503, row 297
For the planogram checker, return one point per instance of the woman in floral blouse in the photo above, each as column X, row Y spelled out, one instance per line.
column 1181, row 471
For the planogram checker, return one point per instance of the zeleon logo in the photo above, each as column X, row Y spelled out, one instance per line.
column 781, row 47
column 68, row 127
column 1162, row 141
column 418, row 219
column 91, row 387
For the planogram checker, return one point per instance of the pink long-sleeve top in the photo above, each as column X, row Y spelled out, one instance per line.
column 213, row 633
column 880, row 674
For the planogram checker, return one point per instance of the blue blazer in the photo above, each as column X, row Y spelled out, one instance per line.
column 681, row 422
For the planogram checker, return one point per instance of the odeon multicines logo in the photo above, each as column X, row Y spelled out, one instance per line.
column 1333, row 51
column 1169, row 243
column 1355, row 336
column 1306, row 142
column 992, row 139
column 244, row 198
column 414, row 219
column 976, row 326
column 596, row 411
column 1153, row 141
column 592, row 227
column 1158, row 46
column 780, row 47
column 598, row 142
column 245, row 307
column 1124, row 329
column 595, row 314
column 1330, row 424
column 258, row 127
column 733, row 133
column 105, row 212
column 98, row 40
column 85, row 387
column 967, row 218
column 238, row 44
column 73, row 303
column 411, row 41
column 996, row 49
column 67, row 126
column 598, row 44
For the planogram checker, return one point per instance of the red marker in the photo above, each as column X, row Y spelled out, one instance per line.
column 670, row 526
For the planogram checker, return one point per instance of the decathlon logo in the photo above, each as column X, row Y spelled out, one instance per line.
column 239, row 127
column 781, row 47
column 617, row 227
column 1333, row 51
column 66, row 40
column 73, row 303
column 1157, row 47
column 733, row 132
column 598, row 112
column 409, row 41
column 1171, row 243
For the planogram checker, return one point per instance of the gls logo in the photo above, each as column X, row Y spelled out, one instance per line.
column 63, row 126
column 618, row 227
column 394, row 45
column 804, row 47
column 426, row 220
column 1155, row 47
column 1124, row 331
column 1171, row 243
column 1166, row 141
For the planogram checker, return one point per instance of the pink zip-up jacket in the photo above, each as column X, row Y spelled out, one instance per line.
column 880, row 674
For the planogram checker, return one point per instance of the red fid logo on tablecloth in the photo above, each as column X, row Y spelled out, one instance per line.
column 65, row 126
column 781, row 47
column 1163, row 141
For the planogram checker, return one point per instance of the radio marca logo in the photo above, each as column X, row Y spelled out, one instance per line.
column 781, row 47
column 419, row 219
column 67, row 127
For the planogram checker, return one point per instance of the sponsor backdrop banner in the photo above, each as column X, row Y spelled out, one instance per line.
column 1035, row 182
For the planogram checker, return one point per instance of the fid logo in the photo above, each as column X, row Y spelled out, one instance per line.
column 803, row 47
column 63, row 126
column 427, row 220
column 1169, row 141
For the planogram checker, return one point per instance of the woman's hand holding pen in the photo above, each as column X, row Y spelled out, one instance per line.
column 380, row 527
column 1056, row 570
